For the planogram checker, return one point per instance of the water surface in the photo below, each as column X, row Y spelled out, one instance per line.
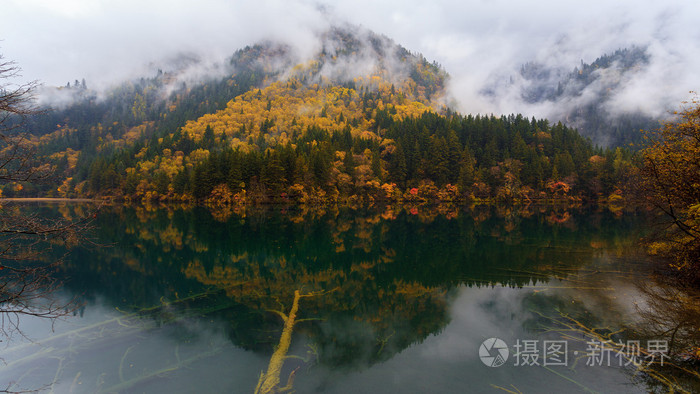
column 397, row 300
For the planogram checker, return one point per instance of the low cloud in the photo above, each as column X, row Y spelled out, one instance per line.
column 477, row 42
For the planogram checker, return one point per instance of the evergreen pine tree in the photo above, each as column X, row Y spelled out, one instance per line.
column 397, row 166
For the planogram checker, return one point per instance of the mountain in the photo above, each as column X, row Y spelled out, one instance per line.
column 582, row 97
column 362, row 120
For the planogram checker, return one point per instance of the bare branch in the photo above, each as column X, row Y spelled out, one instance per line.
column 27, row 280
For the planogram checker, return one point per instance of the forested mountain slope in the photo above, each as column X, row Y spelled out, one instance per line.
column 584, row 96
column 362, row 120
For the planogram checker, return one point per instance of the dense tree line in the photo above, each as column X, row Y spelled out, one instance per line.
column 506, row 158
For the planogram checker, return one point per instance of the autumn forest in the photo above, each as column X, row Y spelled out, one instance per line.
column 273, row 130
column 339, row 217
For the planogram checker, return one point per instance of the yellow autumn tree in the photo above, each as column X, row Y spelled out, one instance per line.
column 671, row 178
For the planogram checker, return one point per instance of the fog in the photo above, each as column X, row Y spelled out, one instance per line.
column 478, row 42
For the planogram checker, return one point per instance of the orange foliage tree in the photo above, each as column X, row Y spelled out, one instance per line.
column 671, row 176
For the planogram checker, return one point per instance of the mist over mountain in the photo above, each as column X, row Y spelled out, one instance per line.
column 360, row 120
column 347, row 55
column 477, row 42
column 585, row 97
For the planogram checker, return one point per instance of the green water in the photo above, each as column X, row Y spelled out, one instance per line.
column 175, row 300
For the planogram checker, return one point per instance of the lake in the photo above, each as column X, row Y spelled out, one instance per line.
column 412, row 300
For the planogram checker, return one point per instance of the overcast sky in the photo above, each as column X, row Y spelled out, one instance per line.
column 56, row 41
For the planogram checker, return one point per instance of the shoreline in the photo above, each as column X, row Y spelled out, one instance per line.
column 47, row 199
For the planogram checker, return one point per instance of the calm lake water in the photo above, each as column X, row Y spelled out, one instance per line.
column 403, row 300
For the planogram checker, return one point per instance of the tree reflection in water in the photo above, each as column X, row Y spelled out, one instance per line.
column 658, row 344
column 672, row 314
column 385, row 278
column 32, row 249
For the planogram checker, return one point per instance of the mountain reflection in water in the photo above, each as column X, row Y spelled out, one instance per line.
column 184, row 300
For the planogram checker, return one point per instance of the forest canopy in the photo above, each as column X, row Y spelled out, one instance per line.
column 312, row 132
